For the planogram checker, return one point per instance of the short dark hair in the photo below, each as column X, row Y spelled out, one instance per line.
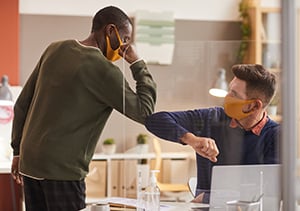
column 110, row 15
column 260, row 83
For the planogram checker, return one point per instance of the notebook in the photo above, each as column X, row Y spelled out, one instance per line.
column 246, row 183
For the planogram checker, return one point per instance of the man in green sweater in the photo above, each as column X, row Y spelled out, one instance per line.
column 64, row 106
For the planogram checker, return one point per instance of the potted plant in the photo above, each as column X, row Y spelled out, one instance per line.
column 142, row 145
column 245, row 29
column 109, row 146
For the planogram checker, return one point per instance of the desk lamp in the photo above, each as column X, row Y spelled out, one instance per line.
column 6, row 101
column 6, row 116
column 220, row 86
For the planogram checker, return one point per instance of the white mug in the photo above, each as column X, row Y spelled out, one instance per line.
column 100, row 207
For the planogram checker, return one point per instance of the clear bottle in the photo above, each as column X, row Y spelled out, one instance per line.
column 142, row 182
column 152, row 194
column 140, row 199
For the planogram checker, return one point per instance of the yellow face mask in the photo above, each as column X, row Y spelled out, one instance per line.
column 113, row 55
column 233, row 107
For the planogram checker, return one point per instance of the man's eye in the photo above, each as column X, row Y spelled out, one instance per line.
column 232, row 94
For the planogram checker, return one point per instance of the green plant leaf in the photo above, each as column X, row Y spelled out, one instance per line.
column 108, row 141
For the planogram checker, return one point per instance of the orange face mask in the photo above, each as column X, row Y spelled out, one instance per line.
column 233, row 107
column 113, row 55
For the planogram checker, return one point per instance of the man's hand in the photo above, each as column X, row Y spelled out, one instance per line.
column 206, row 147
column 130, row 53
column 15, row 170
column 198, row 199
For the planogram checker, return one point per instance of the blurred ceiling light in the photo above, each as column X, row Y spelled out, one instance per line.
column 220, row 86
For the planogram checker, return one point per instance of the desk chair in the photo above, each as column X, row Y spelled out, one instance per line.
column 166, row 188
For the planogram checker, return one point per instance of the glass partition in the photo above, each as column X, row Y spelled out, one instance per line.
column 183, row 85
column 297, row 51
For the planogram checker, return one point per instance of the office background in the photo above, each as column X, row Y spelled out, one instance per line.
column 34, row 15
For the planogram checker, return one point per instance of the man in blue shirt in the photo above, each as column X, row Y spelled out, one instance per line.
column 241, row 133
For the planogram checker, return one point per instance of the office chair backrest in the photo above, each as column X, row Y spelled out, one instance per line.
column 168, row 187
column 192, row 183
column 157, row 150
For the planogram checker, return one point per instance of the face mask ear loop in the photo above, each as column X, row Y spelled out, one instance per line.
column 123, row 85
column 123, row 95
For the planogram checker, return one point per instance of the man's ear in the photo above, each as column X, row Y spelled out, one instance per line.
column 109, row 28
column 257, row 104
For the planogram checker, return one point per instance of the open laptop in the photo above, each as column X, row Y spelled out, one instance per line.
column 246, row 183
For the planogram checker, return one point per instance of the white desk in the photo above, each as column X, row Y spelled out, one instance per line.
column 5, row 166
column 164, row 206
column 133, row 156
column 181, row 206
column 136, row 156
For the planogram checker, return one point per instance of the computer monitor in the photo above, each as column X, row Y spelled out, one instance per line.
column 246, row 183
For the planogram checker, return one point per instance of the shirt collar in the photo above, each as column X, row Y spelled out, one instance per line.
column 256, row 129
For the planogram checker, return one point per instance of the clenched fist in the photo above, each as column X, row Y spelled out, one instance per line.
column 206, row 147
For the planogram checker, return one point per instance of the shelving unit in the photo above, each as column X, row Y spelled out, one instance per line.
column 265, row 41
column 115, row 174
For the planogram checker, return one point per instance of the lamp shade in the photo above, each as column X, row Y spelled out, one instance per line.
column 220, row 86
column 5, row 93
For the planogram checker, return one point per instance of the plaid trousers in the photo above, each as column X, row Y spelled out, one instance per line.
column 53, row 195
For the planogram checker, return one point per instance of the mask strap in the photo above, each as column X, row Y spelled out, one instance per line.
column 118, row 36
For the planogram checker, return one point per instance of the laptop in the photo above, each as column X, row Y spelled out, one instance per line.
column 244, row 183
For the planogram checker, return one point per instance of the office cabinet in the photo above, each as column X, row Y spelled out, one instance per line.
column 124, row 175
column 116, row 174
column 122, row 178
column 96, row 180
column 265, row 37
column 11, row 197
column 175, row 171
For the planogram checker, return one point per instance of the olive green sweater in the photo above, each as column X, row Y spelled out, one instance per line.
column 65, row 104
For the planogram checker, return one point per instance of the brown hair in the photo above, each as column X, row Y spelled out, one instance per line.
column 260, row 83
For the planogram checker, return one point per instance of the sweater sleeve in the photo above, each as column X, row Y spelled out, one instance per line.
column 166, row 125
column 21, row 108
column 110, row 87
column 138, row 104
column 145, row 91
column 173, row 125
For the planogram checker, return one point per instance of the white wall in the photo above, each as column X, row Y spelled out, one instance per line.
column 188, row 9
column 80, row 13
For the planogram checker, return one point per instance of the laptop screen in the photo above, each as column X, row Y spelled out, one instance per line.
column 245, row 183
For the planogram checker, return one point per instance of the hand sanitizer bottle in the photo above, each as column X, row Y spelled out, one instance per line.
column 152, row 194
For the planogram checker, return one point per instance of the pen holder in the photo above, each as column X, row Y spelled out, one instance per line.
column 242, row 206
